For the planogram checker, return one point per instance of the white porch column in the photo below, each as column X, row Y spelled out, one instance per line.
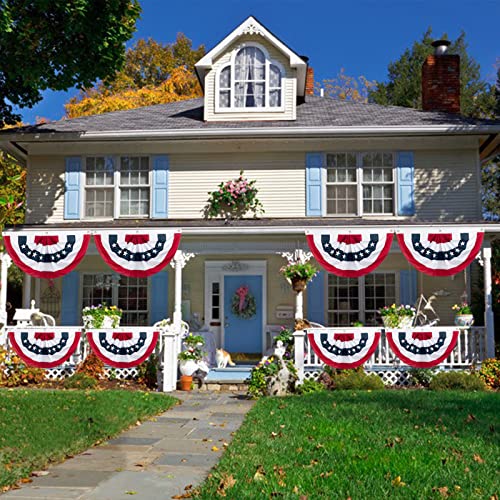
column 4, row 269
column 179, row 261
column 299, row 348
column 489, row 321
column 27, row 291
column 299, row 305
column 170, row 352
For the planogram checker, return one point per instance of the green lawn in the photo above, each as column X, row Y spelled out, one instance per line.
column 40, row 426
column 364, row 445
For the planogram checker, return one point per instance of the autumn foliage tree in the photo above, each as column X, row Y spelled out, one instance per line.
column 346, row 87
column 153, row 73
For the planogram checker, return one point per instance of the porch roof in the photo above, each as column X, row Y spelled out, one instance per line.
column 296, row 225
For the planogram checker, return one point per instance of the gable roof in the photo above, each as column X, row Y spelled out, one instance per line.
column 251, row 26
column 316, row 116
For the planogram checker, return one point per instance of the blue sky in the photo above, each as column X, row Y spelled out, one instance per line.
column 362, row 36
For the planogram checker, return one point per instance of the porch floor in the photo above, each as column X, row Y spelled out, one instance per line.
column 232, row 374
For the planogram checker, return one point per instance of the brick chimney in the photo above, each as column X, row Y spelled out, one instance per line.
column 310, row 81
column 441, row 80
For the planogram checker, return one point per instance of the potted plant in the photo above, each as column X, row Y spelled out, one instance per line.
column 233, row 199
column 101, row 316
column 190, row 358
column 463, row 315
column 298, row 274
column 401, row 316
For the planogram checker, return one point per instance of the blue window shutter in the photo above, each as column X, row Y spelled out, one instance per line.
column 316, row 298
column 158, row 297
column 408, row 287
column 70, row 310
column 406, row 191
column 72, row 192
column 314, row 191
column 160, row 187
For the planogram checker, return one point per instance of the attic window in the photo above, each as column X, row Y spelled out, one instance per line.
column 251, row 81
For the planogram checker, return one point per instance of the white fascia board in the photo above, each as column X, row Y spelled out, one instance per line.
column 283, row 230
column 294, row 132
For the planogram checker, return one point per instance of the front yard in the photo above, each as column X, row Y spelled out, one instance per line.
column 40, row 426
column 358, row 445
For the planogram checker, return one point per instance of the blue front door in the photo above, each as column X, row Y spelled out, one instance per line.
column 242, row 334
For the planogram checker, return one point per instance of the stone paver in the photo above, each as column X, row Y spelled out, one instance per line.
column 154, row 460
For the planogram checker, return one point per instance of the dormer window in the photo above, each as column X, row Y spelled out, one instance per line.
column 251, row 82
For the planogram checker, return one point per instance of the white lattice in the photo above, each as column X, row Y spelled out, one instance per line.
column 61, row 372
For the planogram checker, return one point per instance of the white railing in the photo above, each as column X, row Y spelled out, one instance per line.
column 470, row 350
column 167, row 349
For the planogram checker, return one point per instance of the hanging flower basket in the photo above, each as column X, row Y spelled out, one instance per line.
column 298, row 284
column 298, row 274
column 243, row 304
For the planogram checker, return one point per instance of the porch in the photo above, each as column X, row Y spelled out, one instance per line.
column 208, row 268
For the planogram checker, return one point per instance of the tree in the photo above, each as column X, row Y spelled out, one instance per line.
column 348, row 88
column 404, row 85
column 153, row 73
column 57, row 45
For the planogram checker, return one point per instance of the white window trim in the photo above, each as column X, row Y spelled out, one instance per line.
column 231, row 64
column 115, row 186
column 359, row 184
column 114, row 290
column 362, row 292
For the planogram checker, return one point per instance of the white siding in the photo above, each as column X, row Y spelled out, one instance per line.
column 289, row 86
column 280, row 180
column 447, row 186
column 45, row 189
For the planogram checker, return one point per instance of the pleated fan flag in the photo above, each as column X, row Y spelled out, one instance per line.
column 349, row 255
column 48, row 254
column 440, row 254
column 423, row 348
column 348, row 349
column 45, row 347
column 137, row 254
column 123, row 348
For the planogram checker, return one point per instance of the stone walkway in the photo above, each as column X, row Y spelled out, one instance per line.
column 155, row 460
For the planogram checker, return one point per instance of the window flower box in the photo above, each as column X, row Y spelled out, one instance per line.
column 400, row 317
column 101, row 316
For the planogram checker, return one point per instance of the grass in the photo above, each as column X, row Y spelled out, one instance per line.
column 40, row 426
column 360, row 445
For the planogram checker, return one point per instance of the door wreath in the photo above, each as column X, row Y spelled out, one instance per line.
column 243, row 304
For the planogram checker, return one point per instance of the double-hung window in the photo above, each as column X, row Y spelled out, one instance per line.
column 117, row 187
column 359, row 299
column 129, row 294
column 360, row 184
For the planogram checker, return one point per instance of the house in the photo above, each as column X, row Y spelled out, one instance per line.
column 319, row 164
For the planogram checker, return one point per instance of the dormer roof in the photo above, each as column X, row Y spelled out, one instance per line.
column 252, row 26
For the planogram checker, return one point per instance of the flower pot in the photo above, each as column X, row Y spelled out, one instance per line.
column 404, row 323
column 188, row 366
column 299, row 284
column 464, row 320
column 107, row 322
column 185, row 383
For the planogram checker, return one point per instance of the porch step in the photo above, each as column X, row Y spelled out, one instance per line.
column 232, row 374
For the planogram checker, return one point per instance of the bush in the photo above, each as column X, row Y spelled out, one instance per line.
column 422, row 376
column 310, row 386
column 80, row 381
column 147, row 372
column 15, row 372
column 490, row 373
column 92, row 366
column 359, row 381
column 453, row 380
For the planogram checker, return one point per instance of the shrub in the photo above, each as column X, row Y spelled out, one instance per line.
column 453, row 380
column 422, row 376
column 92, row 366
column 14, row 371
column 490, row 373
column 310, row 386
column 147, row 372
column 358, row 380
column 80, row 381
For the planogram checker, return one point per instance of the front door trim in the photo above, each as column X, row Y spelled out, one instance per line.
column 216, row 270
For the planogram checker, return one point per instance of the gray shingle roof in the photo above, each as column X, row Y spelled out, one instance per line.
column 315, row 112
